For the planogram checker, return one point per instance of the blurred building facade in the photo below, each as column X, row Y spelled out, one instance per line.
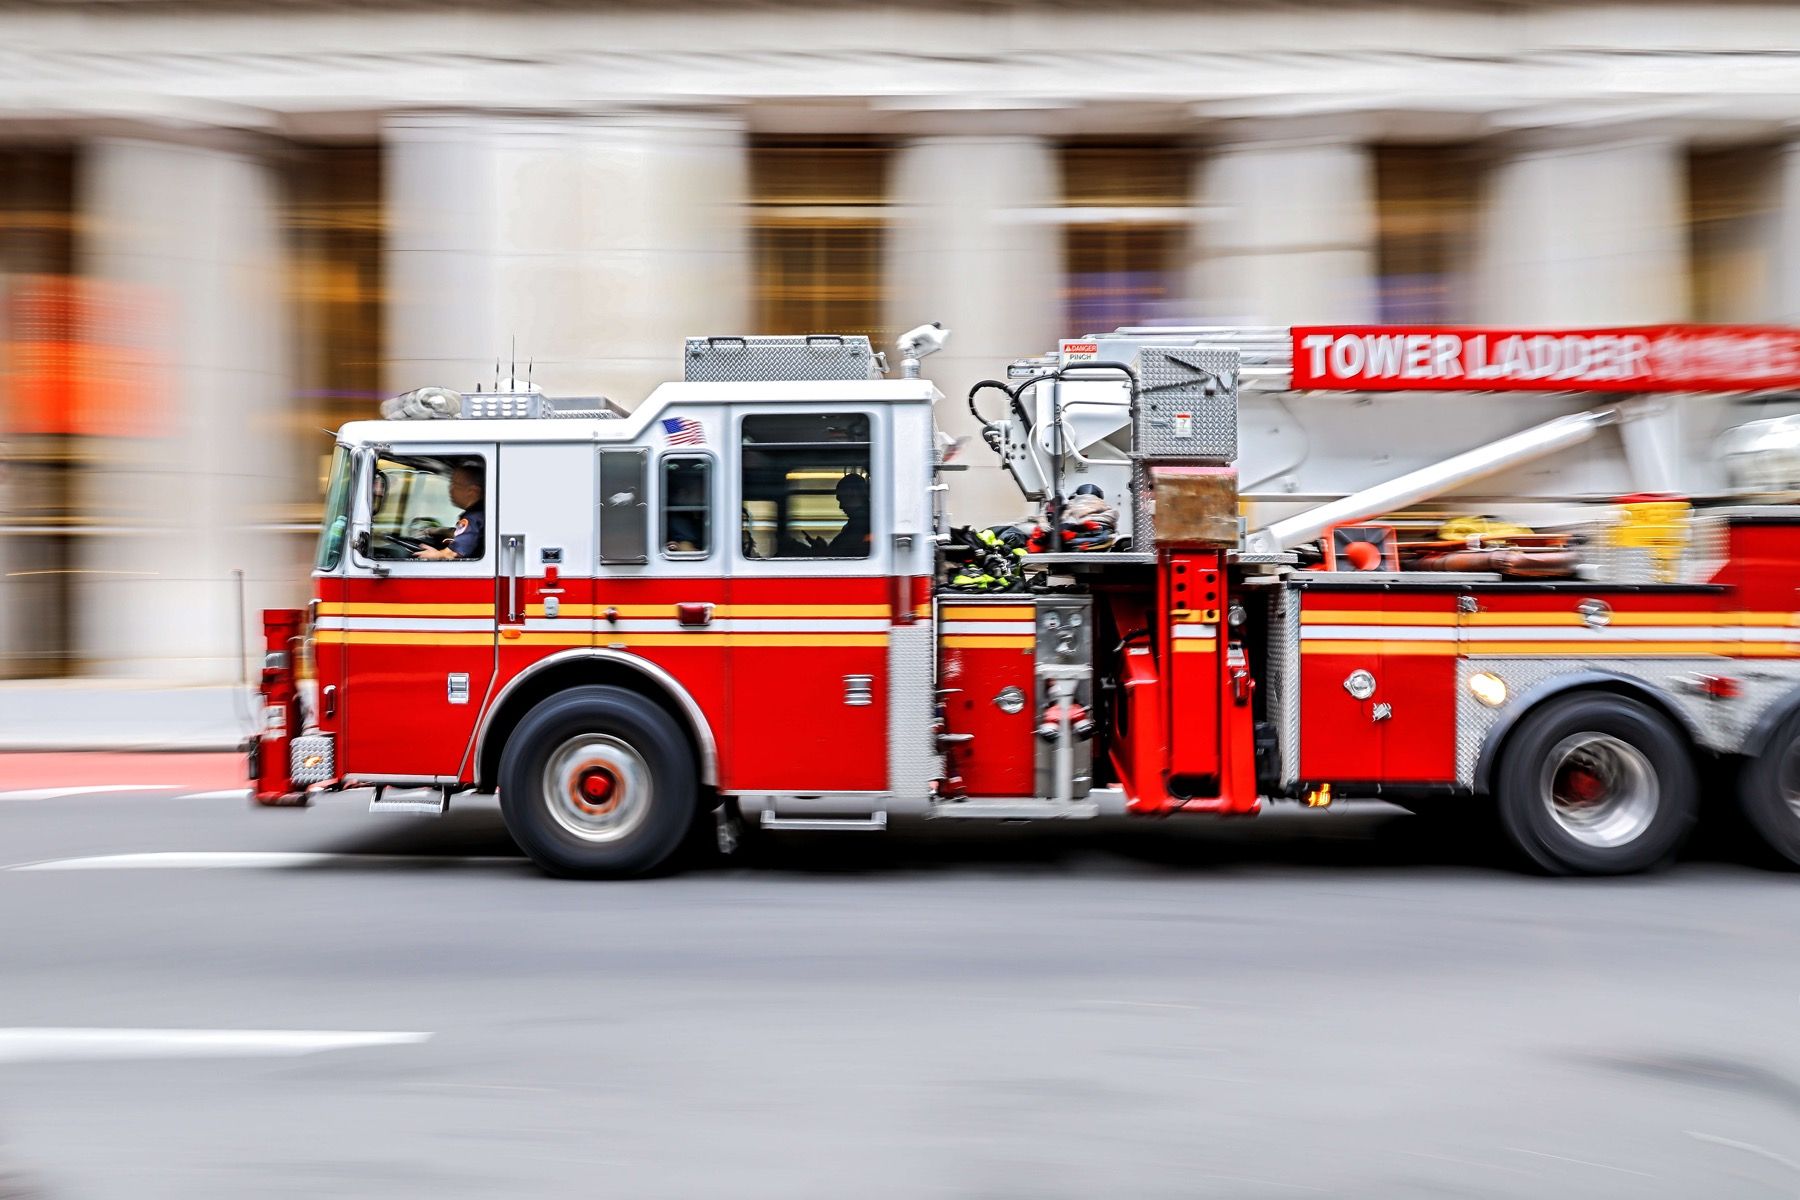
column 224, row 228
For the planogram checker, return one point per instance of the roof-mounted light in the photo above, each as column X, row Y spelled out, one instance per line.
column 423, row 404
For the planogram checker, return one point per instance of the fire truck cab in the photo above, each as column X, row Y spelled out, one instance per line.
column 741, row 602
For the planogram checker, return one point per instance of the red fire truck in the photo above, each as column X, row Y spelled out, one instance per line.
column 1550, row 572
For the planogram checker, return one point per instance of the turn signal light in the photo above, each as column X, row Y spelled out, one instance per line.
column 1488, row 688
column 1719, row 687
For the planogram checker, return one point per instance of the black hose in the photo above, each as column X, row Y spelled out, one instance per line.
column 983, row 385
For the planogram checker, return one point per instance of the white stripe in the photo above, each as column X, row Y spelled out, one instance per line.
column 717, row 625
column 1550, row 633
column 1196, row 631
column 1379, row 633
column 242, row 793
column 264, row 860
column 993, row 627
column 20, row 1045
column 97, row 789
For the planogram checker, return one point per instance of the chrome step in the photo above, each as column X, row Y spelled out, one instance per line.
column 429, row 802
column 1023, row 809
column 873, row 823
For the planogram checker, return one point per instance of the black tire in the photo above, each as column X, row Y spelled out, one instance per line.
column 1768, row 792
column 1596, row 784
column 598, row 783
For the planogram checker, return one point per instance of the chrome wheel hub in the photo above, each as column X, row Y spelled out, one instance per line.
column 1600, row 790
column 597, row 787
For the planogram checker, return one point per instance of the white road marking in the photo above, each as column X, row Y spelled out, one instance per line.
column 254, row 860
column 222, row 794
column 22, row 1045
column 1581, row 1162
column 1746, row 1147
column 87, row 790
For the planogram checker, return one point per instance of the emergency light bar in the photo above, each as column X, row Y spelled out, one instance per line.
column 525, row 403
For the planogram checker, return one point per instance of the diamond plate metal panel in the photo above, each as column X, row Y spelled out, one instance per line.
column 1722, row 725
column 913, row 759
column 1187, row 405
column 1284, row 679
column 321, row 746
column 814, row 356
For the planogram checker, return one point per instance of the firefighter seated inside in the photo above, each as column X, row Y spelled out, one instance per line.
column 410, row 502
column 852, row 538
column 464, row 540
column 807, row 485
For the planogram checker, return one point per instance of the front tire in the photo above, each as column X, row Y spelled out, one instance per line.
column 1596, row 784
column 598, row 783
column 1769, row 791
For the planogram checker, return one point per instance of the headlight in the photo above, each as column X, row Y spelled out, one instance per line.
column 1489, row 689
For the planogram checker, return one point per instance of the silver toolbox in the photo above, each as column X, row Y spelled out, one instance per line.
column 808, row 356
column 1187, row 405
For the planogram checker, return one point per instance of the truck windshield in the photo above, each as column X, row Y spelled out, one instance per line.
column 336, row 521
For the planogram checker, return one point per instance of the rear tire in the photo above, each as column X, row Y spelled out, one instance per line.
column 598, row 783
column 1769, row 792
column 1596, row 784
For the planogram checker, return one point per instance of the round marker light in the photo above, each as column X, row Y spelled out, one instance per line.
column 1489, row 689
column 1010, row 700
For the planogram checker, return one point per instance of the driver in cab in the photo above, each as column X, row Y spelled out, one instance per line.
column 467, row 489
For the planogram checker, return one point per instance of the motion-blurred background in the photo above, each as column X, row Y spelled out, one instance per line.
column 226, row 227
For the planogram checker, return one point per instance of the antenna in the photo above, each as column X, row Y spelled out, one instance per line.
column 514, row 373
column 529, row 364
column 496, row 374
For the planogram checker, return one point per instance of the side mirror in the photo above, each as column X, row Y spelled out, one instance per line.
column 362, row 543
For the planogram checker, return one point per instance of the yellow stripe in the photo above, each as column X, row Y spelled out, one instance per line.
column 990, row 642
column 1195, row 646
column 1603, row 650
column 335, row 609
column 388, row 637
column 987, row 612
column 798, row 641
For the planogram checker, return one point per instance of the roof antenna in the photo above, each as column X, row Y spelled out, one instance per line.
column 496, row 374
column 514, row 373
column 529, row 364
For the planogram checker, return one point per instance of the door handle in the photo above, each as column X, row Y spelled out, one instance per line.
column 513, row 555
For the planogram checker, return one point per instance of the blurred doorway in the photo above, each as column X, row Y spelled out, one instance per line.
column 41, row 453
column 819, row 229
column 1126, row 218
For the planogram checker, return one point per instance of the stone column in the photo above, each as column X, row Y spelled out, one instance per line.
column 182, row 241
column 973, row 243
column 1784, row 269
column 1287, row 228
column 1583, row 229
column 597, row 243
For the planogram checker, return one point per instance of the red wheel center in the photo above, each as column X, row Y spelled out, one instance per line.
column 596, row 789
column 1583, row 786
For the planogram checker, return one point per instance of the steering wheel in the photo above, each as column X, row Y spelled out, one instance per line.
column 407, row 546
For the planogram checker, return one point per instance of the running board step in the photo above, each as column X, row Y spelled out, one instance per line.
column 873, row 823
column 1015, row 810
column 419, row 801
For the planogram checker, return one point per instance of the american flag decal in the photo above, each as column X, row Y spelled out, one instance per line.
column 684, row 431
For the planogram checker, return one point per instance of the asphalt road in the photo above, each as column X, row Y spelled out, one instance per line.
column 1333, row 1004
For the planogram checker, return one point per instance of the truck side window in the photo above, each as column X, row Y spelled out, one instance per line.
column 806, row 485
column 435, row 504
column 687, row 506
